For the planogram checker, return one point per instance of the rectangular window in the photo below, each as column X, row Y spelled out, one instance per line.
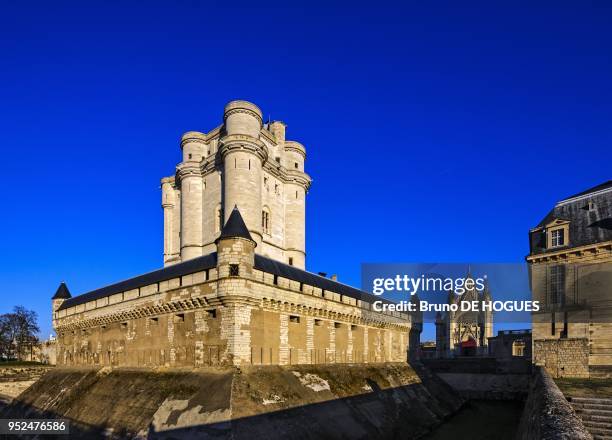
column 557, row 284
column 218, row 220
column 318, row 322
column 234, row 270
column 294, row 319
column 275, row 281
column 290, row 261
column 557, row 237
column 265, row 221
column 179, row 317
column 212, row 313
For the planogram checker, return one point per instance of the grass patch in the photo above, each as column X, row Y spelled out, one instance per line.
column 585, row 387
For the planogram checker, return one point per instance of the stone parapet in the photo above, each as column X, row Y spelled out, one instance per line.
column 547, row 414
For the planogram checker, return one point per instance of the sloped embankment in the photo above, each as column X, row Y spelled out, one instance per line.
column 335, row 401
column 14, row 380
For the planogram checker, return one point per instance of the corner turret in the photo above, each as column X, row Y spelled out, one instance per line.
column 61, row 294
column 235, row 248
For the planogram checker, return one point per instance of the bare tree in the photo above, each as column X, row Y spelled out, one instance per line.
column 18, row 333
column 6, row 337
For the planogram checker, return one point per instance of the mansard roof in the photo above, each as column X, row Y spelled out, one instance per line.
column 62, row 292
column 235, row 227
column 209, row 261
column 597, row 188
column 589, row 214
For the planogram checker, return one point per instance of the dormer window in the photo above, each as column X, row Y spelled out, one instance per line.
column 557, row 237
column 557, row 234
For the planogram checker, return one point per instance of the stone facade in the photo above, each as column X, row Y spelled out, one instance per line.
column 243, row 163
column 510, row 345
column 570, row 269
column 563, row 357
column 210, row 317
column 230, row 306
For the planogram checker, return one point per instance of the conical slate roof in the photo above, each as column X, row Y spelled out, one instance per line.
column 62, row 292
column 235, row 227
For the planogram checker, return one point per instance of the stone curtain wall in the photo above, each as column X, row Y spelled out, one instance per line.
column 563, row 357
column 547, row 414
column 242, row 335
column 213, row 317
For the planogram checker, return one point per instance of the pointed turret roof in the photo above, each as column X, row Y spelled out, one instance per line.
column 235, row 227
column 62, row 292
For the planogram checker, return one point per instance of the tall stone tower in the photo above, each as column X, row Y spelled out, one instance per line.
column 242, row 163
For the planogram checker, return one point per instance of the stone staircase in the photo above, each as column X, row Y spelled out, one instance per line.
column 596, row 414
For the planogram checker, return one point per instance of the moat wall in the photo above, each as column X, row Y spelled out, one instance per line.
column 547, row 414
column 333, row 401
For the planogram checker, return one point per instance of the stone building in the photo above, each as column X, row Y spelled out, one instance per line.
column 233, row 289
column 464, row 333
column 511, row 344
column 570, row 269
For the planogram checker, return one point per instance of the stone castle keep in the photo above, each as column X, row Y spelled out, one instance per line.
column 240, row 163
column 233, row 289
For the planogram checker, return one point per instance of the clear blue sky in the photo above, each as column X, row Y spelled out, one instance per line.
column 436, row 131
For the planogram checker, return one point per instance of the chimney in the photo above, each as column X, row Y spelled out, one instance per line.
column 334, row 277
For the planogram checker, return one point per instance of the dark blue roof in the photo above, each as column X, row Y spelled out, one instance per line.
column 62, row 292
column 274, row 267
column 209, row 261
column 190, row 266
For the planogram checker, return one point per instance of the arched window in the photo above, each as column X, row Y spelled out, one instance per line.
column 265, row 221
column 518, row 348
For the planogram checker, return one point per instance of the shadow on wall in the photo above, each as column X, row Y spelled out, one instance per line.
column 264, row 402
column 400, row 412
